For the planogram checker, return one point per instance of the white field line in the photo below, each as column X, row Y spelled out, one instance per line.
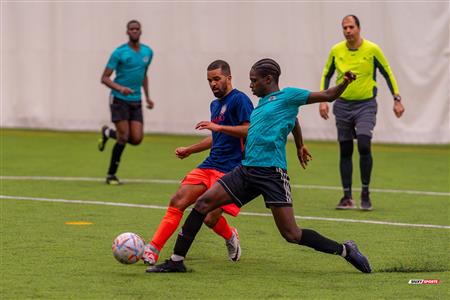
column 241, row 213
column 170, row 181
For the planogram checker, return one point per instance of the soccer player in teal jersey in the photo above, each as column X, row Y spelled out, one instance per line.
column 130, row 61
column 356, row 109
column 263, row 171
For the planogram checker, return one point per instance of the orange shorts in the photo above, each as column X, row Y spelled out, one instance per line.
column 208, row 177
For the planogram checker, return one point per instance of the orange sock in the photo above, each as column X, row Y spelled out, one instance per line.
column 222, row 228
column 167, row 227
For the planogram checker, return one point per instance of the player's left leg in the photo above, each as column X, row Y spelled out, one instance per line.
column 365, row 165
column 365, row 124
column 217, row 222
column 286, row 224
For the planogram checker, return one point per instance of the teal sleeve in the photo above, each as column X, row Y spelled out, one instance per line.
column 113, row 61
column 297, row 96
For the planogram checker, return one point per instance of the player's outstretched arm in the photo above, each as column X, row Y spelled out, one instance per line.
column 183, row 152
column 236, row 131
column 333, row 93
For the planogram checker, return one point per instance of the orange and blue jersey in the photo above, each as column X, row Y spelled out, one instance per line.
column 227, row 151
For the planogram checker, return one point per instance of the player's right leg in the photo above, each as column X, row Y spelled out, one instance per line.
column 186, row 195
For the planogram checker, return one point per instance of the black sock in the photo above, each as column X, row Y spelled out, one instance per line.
column 112, row 134
column 115, row 158
column 365, row 160
column 188, row 232
column 346, row 167
column 313, row 239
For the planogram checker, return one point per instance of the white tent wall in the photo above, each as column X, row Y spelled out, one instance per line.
column 52, row 56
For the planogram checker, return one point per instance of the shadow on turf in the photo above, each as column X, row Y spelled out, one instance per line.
column 412, row 269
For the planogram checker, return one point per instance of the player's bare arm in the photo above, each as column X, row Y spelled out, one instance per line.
column 302, row 152
column 183, row 152
column 106, row 80
column 236, row 131
column 333, row 93
column 150, row 103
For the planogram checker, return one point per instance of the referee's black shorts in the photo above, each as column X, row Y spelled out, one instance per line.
column 244, row 184
column 122, row 110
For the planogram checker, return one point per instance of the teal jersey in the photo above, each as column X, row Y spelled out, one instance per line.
column 130, row 67
column 270, row 124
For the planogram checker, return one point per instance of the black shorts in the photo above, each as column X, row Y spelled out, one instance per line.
column 122, row 110
column 244, row 184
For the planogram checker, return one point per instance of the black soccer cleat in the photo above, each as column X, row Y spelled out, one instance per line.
column 103, row 139
column 365, row 201
column 169, row 266
column 112, row 180
column 356, row 258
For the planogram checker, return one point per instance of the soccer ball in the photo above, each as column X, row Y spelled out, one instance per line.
column 128, row 247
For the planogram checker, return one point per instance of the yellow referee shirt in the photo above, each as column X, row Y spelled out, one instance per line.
column 363, row 62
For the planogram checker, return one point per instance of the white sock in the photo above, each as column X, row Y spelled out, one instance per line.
column 175, row 257
column 107, row 132
column 344, row 251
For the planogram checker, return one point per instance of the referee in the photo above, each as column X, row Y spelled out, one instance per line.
column 355, row 111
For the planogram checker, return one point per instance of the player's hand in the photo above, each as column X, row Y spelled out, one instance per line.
column 349, row 76
column 304, row 156
column 182, row 152
column 150, row 103
column 398, row 109
column 324, row 110
column 125, row 91
column 207, row 125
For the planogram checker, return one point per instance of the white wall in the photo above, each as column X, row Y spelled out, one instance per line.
column 54, row 53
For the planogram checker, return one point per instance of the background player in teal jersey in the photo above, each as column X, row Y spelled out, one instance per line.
column 263, row 171
column 356, row 109
column 130, row 61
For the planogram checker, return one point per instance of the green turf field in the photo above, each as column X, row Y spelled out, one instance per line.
column 43, row 258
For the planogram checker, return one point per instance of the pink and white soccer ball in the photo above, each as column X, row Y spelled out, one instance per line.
column 128, row 247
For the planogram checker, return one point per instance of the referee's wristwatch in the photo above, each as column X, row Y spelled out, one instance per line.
column 397, row 98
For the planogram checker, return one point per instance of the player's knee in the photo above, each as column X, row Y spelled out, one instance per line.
column 292, row 236
column 202, row 205
column 122, row 138
column 364, row 145
column 178, row 202
column 135, row 141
